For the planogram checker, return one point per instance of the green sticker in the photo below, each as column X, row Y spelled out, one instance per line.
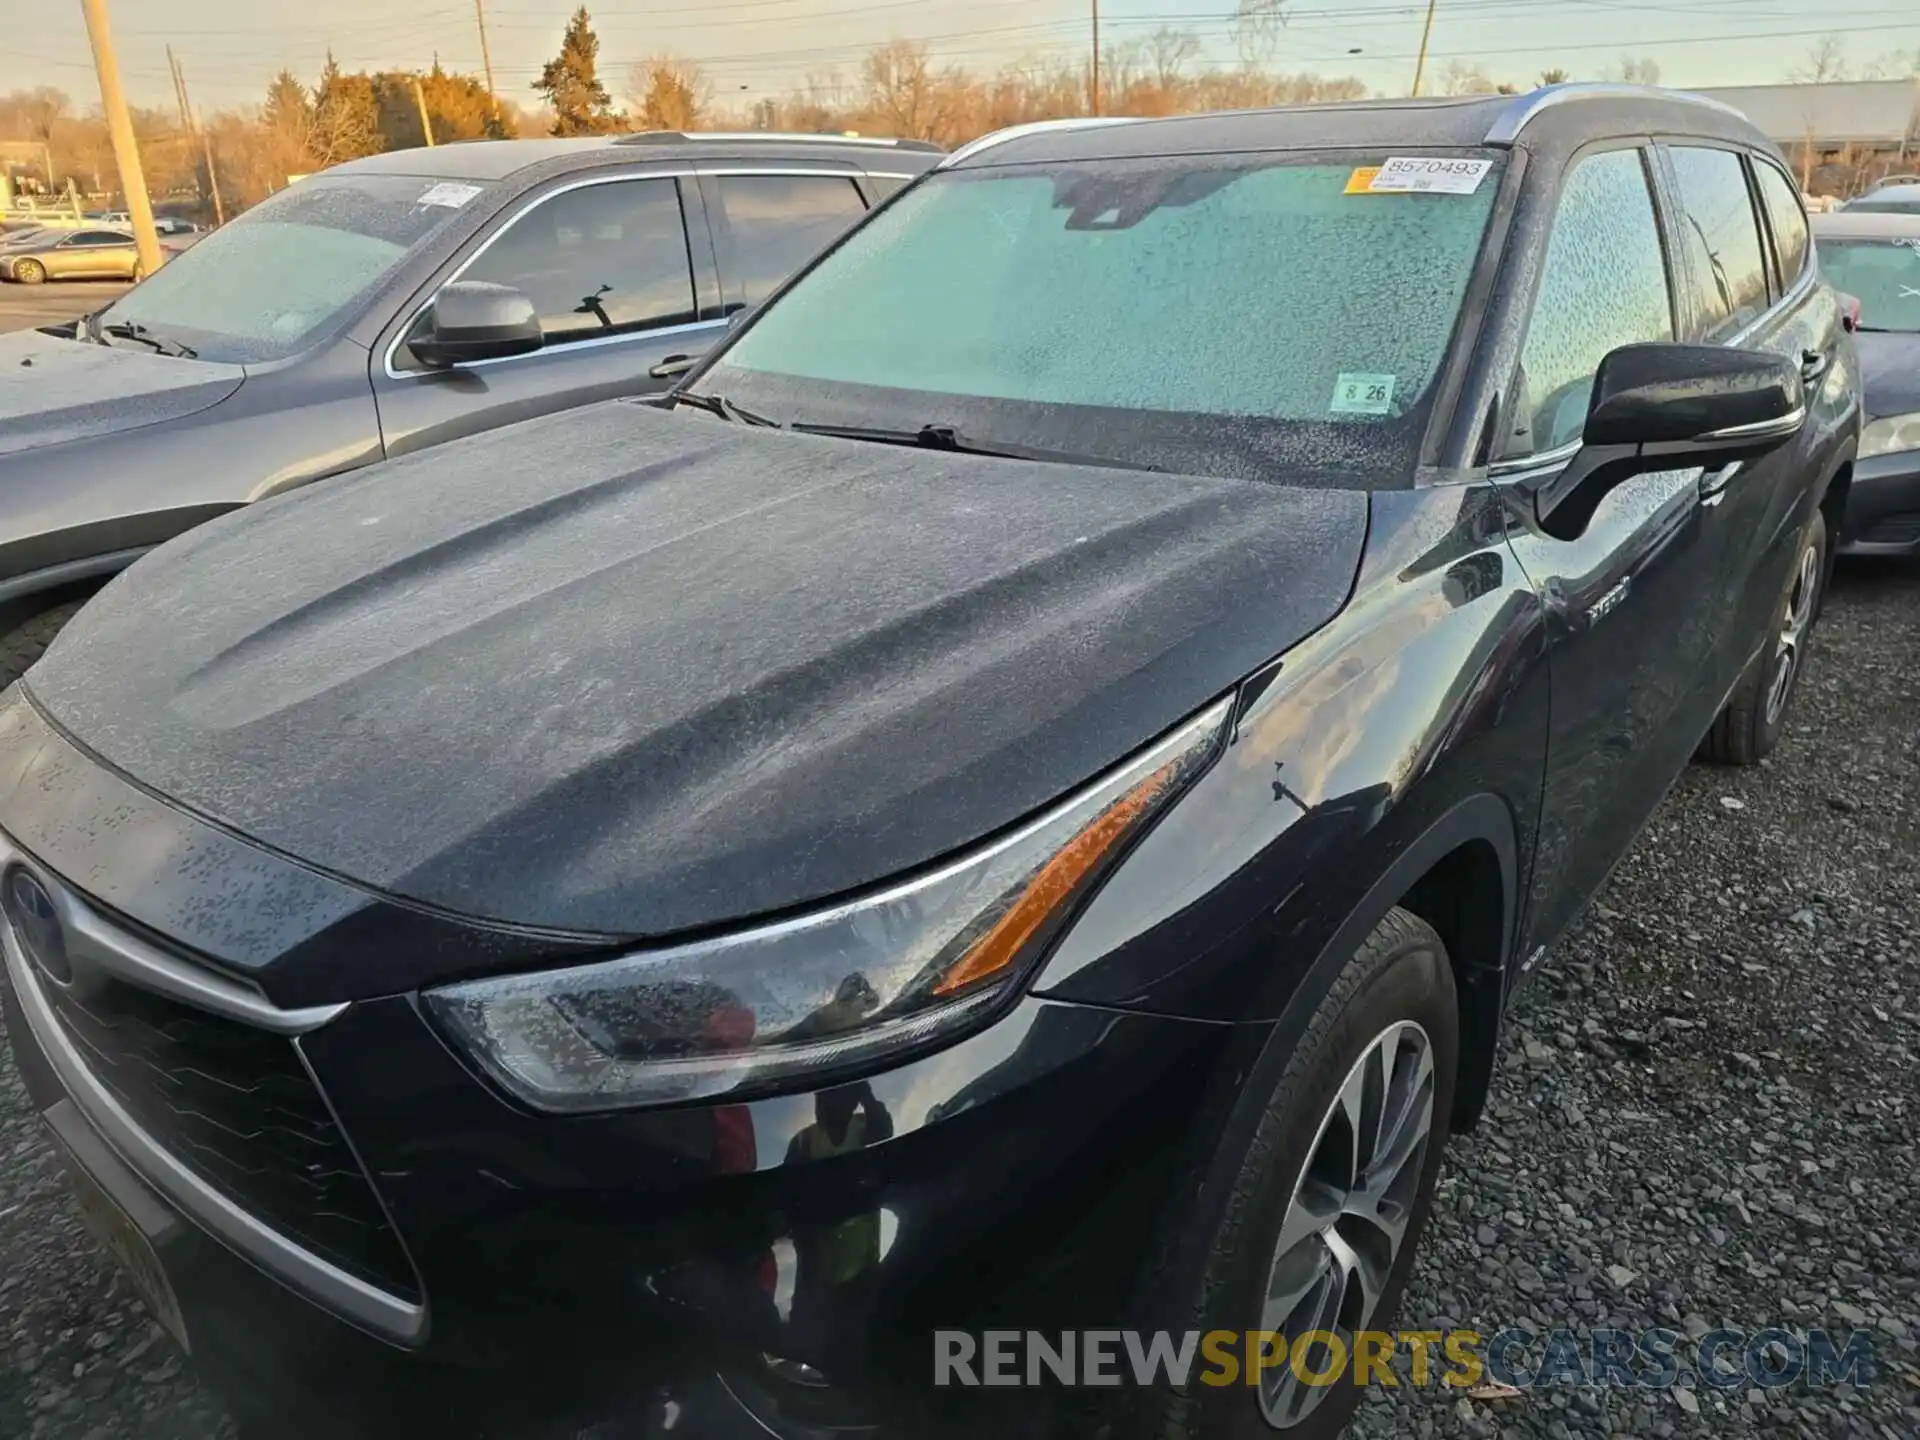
column 1362, row 394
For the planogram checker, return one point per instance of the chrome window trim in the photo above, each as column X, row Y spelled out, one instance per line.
column 1031, row 127
column 745, row 167
column 780, row 137
column 1526, row 108
column 1542, row 460
column 328, row 1286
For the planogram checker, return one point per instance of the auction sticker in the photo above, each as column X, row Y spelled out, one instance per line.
column 1429, row 174
column 449, row 193
column 1355, row 394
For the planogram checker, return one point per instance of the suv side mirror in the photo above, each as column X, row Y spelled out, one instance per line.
column 1664, row 405
column 472, row 320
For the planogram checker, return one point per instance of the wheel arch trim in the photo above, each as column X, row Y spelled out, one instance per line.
column 1484, row 981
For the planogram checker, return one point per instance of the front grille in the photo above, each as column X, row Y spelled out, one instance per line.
column 237, row 1106
column 1900, row 529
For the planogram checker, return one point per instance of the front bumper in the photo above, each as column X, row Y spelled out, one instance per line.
column 750, row 1269
column 1883, row 507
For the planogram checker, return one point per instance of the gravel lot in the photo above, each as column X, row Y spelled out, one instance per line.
column 1705, row 1115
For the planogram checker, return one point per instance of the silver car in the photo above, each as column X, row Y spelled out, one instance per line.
column 72, row 255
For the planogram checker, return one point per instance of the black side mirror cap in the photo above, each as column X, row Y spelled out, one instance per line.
column 1668, row 404
column 472, row 320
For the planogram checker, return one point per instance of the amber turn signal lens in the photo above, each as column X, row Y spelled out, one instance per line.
column 1053, row 883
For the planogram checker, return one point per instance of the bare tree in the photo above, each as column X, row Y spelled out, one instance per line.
column 1460, row 78
column 1555, row 76
column 1894, row 65
column 1168, row 53
column 899, row 82
column 1256, row 30
column 1825, row 63
column 1635, row 70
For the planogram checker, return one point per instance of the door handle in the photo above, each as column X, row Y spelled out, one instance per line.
column 1813, row 364
column 673, row 365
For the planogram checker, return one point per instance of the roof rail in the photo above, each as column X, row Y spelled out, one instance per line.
column 1032, row 127
column 1524, row 108
column 676, row 137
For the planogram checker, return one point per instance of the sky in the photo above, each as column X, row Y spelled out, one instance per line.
column 230, row 49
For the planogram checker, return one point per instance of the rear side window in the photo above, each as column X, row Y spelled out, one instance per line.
column 1727, row 274
column 1789, row 221
column 601, row 260
column 1604, row 285
column 771, row 225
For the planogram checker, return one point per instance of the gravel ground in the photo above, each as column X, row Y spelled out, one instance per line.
column 1705, row 1115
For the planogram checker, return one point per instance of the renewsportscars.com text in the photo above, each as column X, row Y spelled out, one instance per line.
column 1523, row 1359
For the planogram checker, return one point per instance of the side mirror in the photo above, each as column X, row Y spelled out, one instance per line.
column 471, row 320
column 1666, row 405
column 1849, row 311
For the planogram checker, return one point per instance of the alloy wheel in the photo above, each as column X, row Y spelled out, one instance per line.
column 1797, row 621
column 1349, row 1213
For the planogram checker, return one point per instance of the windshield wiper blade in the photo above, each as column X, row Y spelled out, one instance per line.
column 945, row 437
column 130, row 330
column 724, row 408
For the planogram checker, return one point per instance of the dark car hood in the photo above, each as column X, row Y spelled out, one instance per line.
column 1890, row 366
column 628, row 672
column 52, row 390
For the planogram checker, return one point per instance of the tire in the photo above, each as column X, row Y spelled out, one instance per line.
column 1751, row 725
column 29, row 272
column 28, row 641
column 1220, row 1253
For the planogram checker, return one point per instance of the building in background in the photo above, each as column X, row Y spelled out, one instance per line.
column 1841, row 136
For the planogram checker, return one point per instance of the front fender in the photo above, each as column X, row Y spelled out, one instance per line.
column 1411, row 726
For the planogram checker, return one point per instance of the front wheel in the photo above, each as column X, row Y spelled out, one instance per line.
column 29, row 272
column 1755, row 718
column 1316, row 1213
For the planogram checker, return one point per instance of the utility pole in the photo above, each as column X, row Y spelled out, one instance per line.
column 213, row 176
column 486, row 55
column 1095, row 107
column 179, row 90
column 420, row 100
column 126, row 150
column 1426, row 34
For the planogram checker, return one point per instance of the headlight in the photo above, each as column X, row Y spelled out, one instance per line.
column 1890, row 433
column 795, row 1004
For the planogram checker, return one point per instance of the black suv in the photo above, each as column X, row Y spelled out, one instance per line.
column 389, row 304
column 1019, row 798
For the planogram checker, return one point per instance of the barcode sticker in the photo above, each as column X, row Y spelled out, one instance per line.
column 1429, row 174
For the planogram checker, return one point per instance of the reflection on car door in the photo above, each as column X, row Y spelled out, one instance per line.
column 1628, row 602
column 1732, row 281
column 610, row 270
column 767, row 226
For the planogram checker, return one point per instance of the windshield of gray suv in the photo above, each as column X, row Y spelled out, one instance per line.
column 1220, row 314
column 1882, row 274
column 266, row 285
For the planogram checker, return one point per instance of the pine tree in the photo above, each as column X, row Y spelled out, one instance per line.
column 581, row 105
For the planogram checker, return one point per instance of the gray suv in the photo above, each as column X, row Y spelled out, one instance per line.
column 385, row 305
